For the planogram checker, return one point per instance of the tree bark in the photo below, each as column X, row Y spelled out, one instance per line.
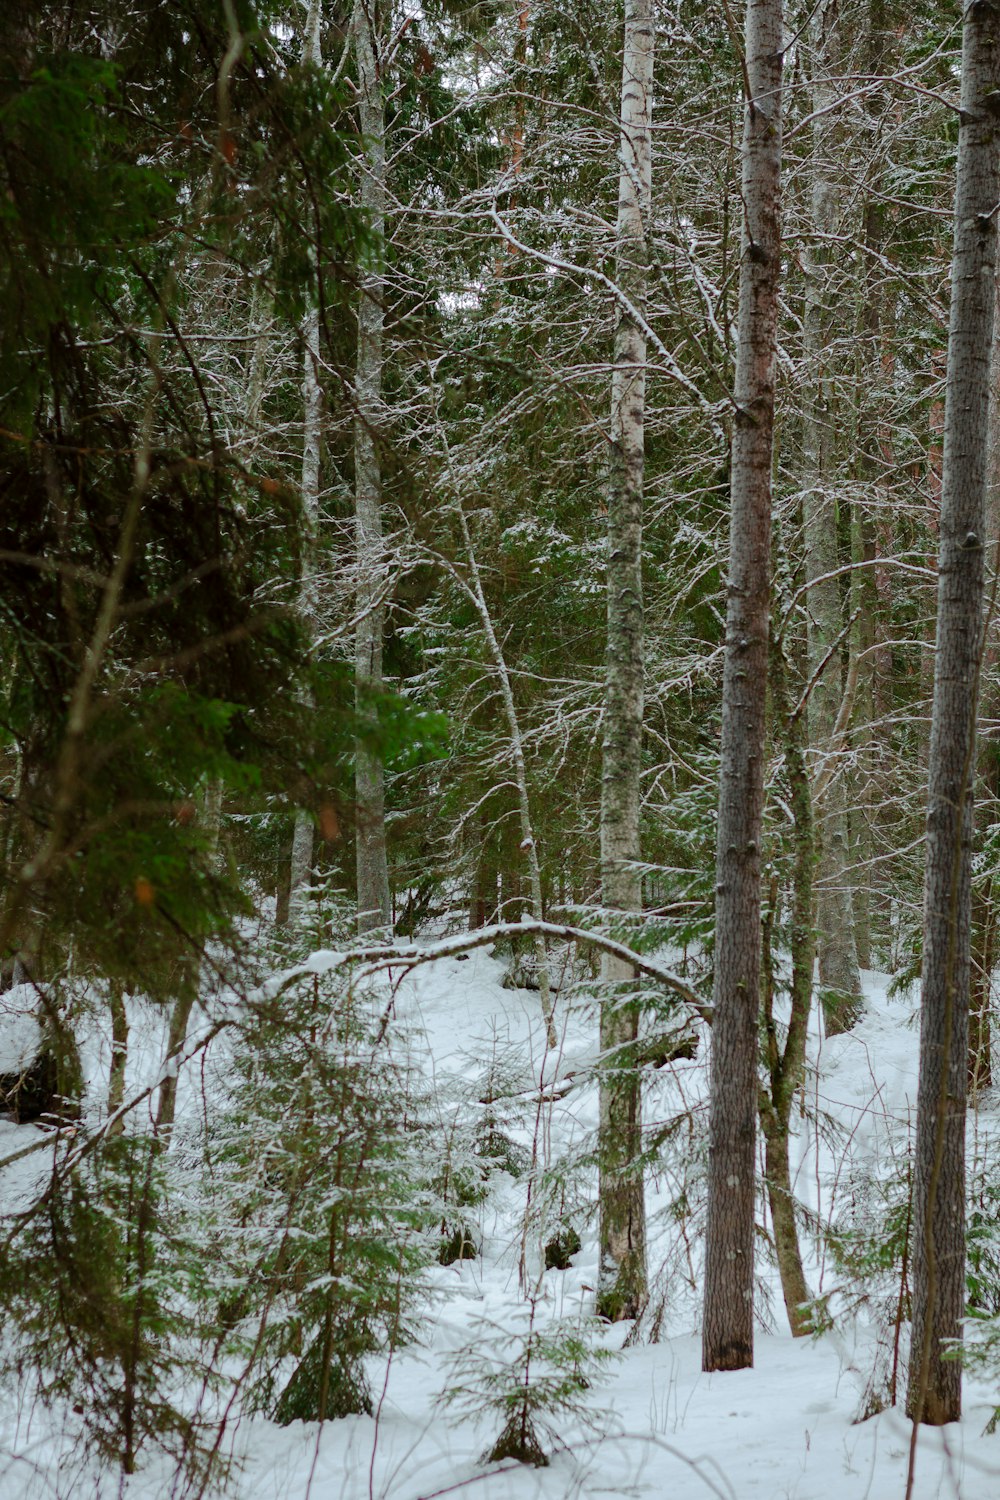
column 983, row 959
column 836, row 947
column 727, row 1334
column 300, row 870
column 786, row 1065
column 871, row 603
column 781, row 1200
column 861, row 815
column 622, row 1273
column 374, row 906
column 119, row 1050
column 483, row 906
column 984, row 915
column 180, row 1016
column 935, row 1389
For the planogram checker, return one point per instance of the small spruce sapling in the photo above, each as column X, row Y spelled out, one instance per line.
column 102, row 1283
column 870, row 1250
column 529, row 1383
column 325, row 1227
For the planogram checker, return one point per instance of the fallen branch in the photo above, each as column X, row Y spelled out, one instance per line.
column 408, row 956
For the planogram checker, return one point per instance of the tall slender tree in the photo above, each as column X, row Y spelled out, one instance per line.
column 374, row 910
column 312, row 409
column 727, row 1337
column 872, row 456
column 785, row 1058
column 836, row 947
column 935, row 1385
column 622, row 1290
column 984, row 889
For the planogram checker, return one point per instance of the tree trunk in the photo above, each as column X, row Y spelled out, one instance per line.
column 189, row 976
column 374, row 907
column 483, row 901
column 983, row 958
column 871, row 601
column 119, row 1051
column 861, row 816
column 984, row 916
column 781, row 1201
column 180, row 1016
column 300, row 869
column 622, row 1274
column 727, row 1335
column 838, row 958
column 935, row 1390
column 786, row 1065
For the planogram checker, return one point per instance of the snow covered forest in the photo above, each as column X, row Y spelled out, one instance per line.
column 499, row 749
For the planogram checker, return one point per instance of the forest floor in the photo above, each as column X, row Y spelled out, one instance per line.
column 651, row 1424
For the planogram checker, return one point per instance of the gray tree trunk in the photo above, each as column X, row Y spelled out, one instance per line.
column 836, row 947
column 312, row 405
column 622, row 1274
column 727, row 1332
column 374, row 909
column 935, row 1382
column 300, row 870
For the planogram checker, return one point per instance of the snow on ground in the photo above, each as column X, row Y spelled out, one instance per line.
column 19, row 1029
column 654, row 1425
column 781, row 1430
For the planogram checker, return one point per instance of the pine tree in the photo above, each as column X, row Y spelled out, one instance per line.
column 727, row 1336
column 934, row 1392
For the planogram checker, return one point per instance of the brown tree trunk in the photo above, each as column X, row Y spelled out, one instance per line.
column 871, row 584
column 781, row 1201
column 483, row 900
column 119, row 1051
column 727, row 1334
column 838, row 958
column 984, row 917
column 180, row 1016
column 786, row 1065
column 935, row 1383
column 983, row 959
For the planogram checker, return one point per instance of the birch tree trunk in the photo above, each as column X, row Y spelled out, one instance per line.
column 935, row 1390
column 374, row 911
column 836, row 947
column 622, row 1274
column 727, row 1333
